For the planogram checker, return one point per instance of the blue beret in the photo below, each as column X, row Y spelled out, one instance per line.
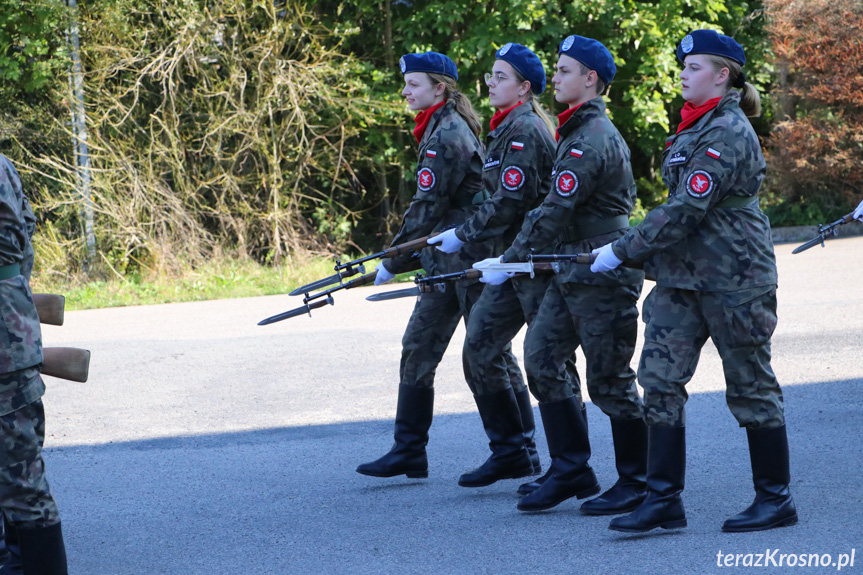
column 526, row 63
column 431, row 62
column 592, row 54
column 710, row 42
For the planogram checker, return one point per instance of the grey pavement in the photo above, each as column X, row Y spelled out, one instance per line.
column 204, row 444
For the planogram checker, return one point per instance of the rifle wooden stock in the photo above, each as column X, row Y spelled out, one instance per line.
column 69, row 363
column 410, row 246
column 50, row 307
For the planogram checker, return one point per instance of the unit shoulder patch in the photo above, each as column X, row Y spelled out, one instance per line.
column 512, row 178
column 699, row 184
column 425, row 179
column 566, row 183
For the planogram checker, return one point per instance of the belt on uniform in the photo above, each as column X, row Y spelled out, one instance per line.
column 9, row 271
column 590, row 229
column 736, row 202
column 474, row 200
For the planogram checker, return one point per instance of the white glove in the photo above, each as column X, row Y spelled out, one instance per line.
column 493, row 278
column 449, row 242
column 383, row 274
column 858, row 213
column 605, row 259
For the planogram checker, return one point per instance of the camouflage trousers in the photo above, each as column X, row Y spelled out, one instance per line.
column 603, row 321
column 495, row 320
column 739, row 323
column 25, row 496
column 431, row 326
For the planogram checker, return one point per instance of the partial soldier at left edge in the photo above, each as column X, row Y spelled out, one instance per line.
column 33, row 535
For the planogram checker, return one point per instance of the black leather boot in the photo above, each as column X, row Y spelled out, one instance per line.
column 630, row 455
column 408, row 454
column 43, row 551
column 773, row 505
column 666, row 470
column 530, row 486
column 11, row 559
column 528, row 423
column 569, row 447
column 509, row 458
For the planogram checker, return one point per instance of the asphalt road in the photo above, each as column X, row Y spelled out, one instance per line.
column 204, row 444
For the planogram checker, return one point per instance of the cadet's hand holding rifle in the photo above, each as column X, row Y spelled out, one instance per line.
column 606, row 260
column 491, row 277
column 858, row 213
column 447, row 242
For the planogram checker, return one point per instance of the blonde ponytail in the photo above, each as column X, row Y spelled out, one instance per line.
column 750, row 99
column 461, row 102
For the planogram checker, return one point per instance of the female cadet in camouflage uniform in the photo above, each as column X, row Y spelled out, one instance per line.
column 517, row 172
column 710, row 250
column 29, row 510
column 592, row 195
column 449, row 189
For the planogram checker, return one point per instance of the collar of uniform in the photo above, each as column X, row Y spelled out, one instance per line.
column 517, row 112
column 586, row 111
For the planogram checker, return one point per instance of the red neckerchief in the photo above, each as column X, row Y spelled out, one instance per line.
column 562, row 118
column 500, row 116
column 423, row 119
column 691, row 114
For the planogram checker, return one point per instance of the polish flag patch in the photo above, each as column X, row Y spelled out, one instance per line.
column 576, row 153
column 431, row 153
column 517, row 146
column 713, row 153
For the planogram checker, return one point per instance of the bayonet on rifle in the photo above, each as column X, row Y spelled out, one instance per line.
column 824, row 232
column 353, row 267
column 314, row 301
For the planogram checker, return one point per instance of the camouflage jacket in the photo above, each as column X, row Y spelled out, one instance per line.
column 592, row 196
column 517, row 175
column 20, row 333
column 694, row 241
column 449, row 191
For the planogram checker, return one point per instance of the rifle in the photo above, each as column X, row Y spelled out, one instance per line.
column 69, row 363
column 50, row 308
column 428, row 284
column 824, row 232
column 353, row 267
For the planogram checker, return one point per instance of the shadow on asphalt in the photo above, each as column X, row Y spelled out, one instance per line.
column 287, row 500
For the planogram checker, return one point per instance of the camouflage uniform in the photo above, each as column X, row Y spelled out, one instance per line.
column 25, row 498
column 589, row 206
column 710, row 249
column 449, row 189
column 520, row 153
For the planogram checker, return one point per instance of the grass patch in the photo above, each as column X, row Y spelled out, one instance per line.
column 217, row 280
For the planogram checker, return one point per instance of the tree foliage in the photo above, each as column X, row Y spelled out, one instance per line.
column 267, row 127
column 817, row 145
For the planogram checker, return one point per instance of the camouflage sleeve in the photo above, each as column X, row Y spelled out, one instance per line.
column 13, row 218
column 437, row 176
column 29, row 253
column 517, row 189
column 705, row 180
column 575, row 180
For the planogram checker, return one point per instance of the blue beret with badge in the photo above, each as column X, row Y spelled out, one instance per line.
column 430, row 62
column 592, row 54
column 710, row 42
column 526, row 63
